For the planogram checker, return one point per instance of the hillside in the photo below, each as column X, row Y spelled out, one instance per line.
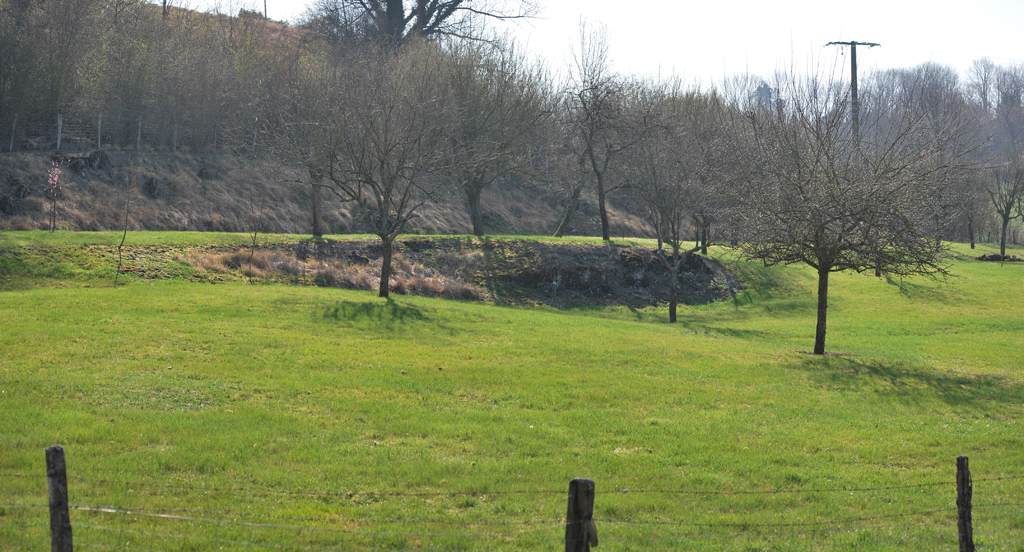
column 184, row 192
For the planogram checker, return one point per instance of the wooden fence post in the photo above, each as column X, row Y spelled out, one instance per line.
column 60, row 520
column 580, row 531
column 60, row 128
column 14, row 126
column 964, row 493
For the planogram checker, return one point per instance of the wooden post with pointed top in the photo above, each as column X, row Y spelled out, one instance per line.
column 60, row 520
column 580, row 531
column 964, row 495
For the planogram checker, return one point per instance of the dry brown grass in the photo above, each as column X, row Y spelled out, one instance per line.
column 259, row 263
column 282, row 265
column 232, row 194
column 433, row 286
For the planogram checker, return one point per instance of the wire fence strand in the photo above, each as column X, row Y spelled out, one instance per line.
column 236, row 542
column 313, row 493
column 333, row 519
column 527, row 530
column 216, row 521
column 764, row 525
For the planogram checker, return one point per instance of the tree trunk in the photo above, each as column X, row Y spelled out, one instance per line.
column 605, row 232
column 704, row 240
column 673, row 294
column 318, row 229
column 819, row 335
column 394, row 20
column 385, row 266
column 476, row 215
column 1002, row 237
column 970, row 231
column 570, row 212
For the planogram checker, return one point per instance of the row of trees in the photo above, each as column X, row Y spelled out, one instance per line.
column 776, row 166
column 391, row 105
column 203, row 78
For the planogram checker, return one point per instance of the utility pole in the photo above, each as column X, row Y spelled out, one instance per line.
column 853, row 80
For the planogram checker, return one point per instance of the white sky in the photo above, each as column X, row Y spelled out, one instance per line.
column 705, row 40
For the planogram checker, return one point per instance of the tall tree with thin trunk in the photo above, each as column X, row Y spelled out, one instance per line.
column 671, row 165
column 818, row 196
column 497, row 111
column 595, row 97
column 1006, row 190
column 382, row 141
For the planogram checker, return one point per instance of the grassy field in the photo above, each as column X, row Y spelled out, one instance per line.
column 237, row 417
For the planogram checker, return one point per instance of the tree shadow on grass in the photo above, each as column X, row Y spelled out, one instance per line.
column 925, row 288
column 912, row 384
column 703, row 327
column 375, row 312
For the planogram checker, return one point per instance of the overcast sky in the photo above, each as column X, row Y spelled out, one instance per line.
column 706, row 40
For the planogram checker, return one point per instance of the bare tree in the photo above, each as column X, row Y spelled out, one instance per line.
column 382, row 139
column 938, row 88
column 972, row 200
column 567, row 175
column 394, row 21
column 821, row 197
column 1006, row 185
column 672, row 165
column 595, row 97
column 1006, row 190
column 981, row 76
column 301, row 131
column 497, row 113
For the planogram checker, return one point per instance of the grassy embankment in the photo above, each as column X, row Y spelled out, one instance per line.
column 420, row 423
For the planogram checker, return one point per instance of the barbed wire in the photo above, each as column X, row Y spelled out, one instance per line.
column 791, row 524
column 201, row 539
column 322, row 518
column 116, row 546
column 254, row 544
column 216, row 521
column 990, row 479
column 315, row 493
column 491, row 492
column 28, row 524
column 952, row 538
column 777, row 534
column 19, row 506
column 1001, row 516
column 521, row 492
column 786, row 491
column 997, row 505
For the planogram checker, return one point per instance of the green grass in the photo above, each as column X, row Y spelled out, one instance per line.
column 426, row 424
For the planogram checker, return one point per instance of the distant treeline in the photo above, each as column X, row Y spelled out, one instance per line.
column 197, row 79
column 453, row 114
